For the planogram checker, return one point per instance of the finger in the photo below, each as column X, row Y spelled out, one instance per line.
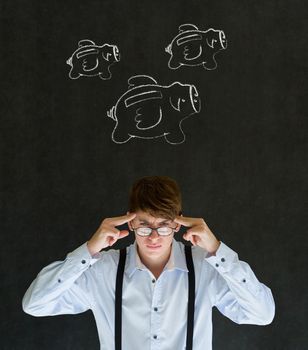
column 193, row 239
column 120, row 220
column 190, row 238
column 123, row 234
column 111, row 241
column 112, row 231
column 186, row 236
column 190, row 234
column 185, row 221
column 114, row 236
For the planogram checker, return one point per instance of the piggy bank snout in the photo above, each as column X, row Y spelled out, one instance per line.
column 195, row 99
column 116, row 53
column 222, row 39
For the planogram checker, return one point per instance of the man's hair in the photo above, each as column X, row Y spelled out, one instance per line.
column 159, row 196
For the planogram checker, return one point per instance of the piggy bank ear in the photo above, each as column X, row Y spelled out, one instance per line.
column 175, row 102
column 185, row 27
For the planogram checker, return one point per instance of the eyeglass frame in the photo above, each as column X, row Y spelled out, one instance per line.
column 154, row 229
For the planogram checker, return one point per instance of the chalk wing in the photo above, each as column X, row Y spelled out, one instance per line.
column 139, row 80
column 187, row 26
column 148, row 117
column 85, row 42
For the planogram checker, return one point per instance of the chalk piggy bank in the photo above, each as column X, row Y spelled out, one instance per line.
column 149, row 110
column 90, row 60
column 193, row 47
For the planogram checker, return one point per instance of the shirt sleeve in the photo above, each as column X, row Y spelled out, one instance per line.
column 239, row 294
column 62, row 286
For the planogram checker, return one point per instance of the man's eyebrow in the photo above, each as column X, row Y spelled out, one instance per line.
column 165, row 222
column 144, row 221
column 161, row 222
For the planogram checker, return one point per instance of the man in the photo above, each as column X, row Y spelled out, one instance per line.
column 157, row 308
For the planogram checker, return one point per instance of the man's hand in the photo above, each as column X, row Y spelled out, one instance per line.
column 199, row 233
column 107, row 234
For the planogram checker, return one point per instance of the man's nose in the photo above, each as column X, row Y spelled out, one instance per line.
column 154, row 234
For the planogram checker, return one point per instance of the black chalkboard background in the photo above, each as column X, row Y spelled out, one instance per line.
column 242, row 167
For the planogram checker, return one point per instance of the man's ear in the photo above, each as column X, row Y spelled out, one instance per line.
column 178, row 226
column 129, row 224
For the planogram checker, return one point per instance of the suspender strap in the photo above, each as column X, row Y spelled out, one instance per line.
column 191, row 298
column 118, row 301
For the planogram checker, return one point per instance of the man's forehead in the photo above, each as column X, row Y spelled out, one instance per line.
column 146, row 217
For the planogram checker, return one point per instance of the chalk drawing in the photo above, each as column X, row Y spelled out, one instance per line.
column 149, row 110
column 90, row 60
column 194, row 47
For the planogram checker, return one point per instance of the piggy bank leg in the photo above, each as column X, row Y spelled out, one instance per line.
column 105, row 74
column 210, row 63
column 173, row 63
column 74, row 74
column 175, row 137
column 120, row 135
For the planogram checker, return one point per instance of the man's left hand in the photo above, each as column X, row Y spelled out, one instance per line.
column 198, row 233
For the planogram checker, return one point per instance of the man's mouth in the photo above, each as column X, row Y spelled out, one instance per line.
column 153, row 246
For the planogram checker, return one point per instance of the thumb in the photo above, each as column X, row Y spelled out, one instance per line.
column 123, row 233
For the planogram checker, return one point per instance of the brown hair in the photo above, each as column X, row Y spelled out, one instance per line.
column 159, row 196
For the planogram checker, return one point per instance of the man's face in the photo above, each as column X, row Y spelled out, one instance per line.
column 153, row 245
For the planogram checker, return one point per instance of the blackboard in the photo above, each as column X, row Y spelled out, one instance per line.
column 242, row 166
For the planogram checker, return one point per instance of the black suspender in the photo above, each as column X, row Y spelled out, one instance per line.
column 118, row 301
column 191, row 299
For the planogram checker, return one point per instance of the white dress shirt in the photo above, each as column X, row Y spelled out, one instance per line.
column 154, row 311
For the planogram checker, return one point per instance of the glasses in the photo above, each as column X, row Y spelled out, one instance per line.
column 147, row 231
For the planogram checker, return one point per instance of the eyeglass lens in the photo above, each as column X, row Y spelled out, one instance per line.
column 162, row 231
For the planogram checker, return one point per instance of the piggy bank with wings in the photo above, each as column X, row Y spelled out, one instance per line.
column 149, row 110
column 90, row 60
column 194, row 47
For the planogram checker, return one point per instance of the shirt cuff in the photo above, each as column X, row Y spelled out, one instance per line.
column 82, row 257
column 224, row 258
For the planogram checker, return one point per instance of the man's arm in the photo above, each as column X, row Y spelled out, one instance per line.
column 238, row 293
column 63, row 286
column 59, row 287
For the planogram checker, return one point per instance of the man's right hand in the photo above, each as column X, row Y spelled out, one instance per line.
column 107, row 234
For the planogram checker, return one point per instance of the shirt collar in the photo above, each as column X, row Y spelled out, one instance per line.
column 177, row 260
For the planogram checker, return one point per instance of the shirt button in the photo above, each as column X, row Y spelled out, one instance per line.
column 59, row 280
column 155, row 336
column 83, row 261
column 153, row 281
column 222, row 259
column 243, row 280
column 155, row 309
column 216, row 265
